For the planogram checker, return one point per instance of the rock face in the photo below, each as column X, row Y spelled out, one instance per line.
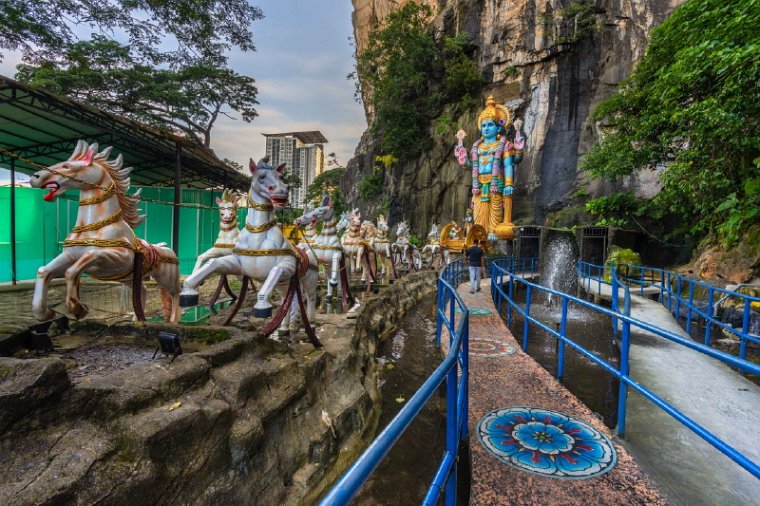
column 551, row 63
column 247, row 421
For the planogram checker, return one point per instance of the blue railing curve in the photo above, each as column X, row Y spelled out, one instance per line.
column 500, row 274
column 454, row 371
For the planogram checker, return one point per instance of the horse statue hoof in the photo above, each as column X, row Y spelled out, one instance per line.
column 259, row 312
column 189, row 299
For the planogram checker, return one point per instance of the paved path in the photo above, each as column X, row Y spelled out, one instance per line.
column 517, row 380
column 688, row 469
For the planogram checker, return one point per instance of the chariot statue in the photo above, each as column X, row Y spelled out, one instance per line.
column 492, row 160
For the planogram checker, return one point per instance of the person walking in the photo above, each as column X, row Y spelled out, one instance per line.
column 476, row 260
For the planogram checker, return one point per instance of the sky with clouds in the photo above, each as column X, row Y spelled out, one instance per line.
column 302, row 57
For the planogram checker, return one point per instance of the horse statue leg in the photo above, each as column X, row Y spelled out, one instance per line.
column 73, row 275
column 263, row 308
column 332, row 283
column 166, row 275
column 229, row 264
column 55, row 269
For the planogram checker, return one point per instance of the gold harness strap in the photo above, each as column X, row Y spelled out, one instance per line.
column 152, row 256
column 321, row 246
column 98, row 224
column 254, row 229
column 302, row 259
column 101, row 198
column 221, row 245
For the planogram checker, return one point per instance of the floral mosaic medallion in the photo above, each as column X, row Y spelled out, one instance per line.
column 487, row 347
column 546, row 442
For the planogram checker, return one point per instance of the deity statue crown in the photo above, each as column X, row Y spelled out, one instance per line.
column 495, row 112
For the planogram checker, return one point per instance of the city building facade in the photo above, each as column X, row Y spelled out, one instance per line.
column 303, row 155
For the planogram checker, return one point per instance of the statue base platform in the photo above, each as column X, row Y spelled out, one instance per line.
column 506, row 230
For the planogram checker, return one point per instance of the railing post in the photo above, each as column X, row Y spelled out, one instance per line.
column 452, row 314
column 678, row 298
column 614, row 301
column 745, row 331
column 465, row 379
column 438, row 310
column 562, row 332
column 641, row 270
column 708, row 320
column 526, row 319
column 452, row 441
column 688, row 310
column 511, row 298
column 624, row 369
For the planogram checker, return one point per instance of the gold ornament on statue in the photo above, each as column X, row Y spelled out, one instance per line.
column 496, row 112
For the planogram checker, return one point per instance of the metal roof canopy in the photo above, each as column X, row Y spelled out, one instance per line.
column 44, row 128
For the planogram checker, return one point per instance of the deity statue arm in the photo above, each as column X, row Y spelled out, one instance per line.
column 519, row 142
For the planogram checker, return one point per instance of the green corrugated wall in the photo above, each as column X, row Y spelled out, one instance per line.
column 42, row 226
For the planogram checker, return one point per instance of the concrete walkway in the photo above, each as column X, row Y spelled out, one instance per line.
column 497, row 381
column 688, row 469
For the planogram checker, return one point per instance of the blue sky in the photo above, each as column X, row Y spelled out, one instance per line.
column 300, row 65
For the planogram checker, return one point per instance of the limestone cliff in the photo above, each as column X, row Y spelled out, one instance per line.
column 551, row 62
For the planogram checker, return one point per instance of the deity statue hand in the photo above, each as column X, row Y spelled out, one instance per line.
column 460, row 151
column 519, row 140
column 475, row 191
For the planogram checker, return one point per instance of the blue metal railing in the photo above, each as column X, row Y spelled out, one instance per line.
column 677, row 293
column 454, row 371
column 498, row 274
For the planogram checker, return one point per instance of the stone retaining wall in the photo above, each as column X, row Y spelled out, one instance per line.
column 247, row 421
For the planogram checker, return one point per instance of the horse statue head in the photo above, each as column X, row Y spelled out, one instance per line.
column 343, row 221
column 324, row 213
column 368, row 229
column 355, row 218
column 382, row 224
column 402, row 230
column 228, row 206
column 88, row 169
column 268, row 183
column 433, row 234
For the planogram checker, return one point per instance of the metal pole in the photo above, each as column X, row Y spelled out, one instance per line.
column 14, row 277
column 452, row 442
column 708, row 320
column 526, row 321
column 177, row 199
column 745, row 331
column 562, row 332
column 625, row 345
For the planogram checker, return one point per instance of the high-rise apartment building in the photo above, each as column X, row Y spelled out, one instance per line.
column 303, row 155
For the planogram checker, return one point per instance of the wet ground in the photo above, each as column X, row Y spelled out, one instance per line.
column 408, row 357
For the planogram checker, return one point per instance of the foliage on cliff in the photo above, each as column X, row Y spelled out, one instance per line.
column 691, row 108
column 410, row 75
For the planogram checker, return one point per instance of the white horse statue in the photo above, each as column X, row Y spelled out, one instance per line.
column 433, row 247
column 408, row 252
column 228, row 230
column 325, row 249
column 102, row 244
column 262, row 253
column 355, row 247
column 382, row 246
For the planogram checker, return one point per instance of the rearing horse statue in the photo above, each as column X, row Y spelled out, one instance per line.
column 103, row 244
column 228, row 230
column 262, row 253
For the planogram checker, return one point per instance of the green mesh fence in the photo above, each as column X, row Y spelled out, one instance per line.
column 41, row 227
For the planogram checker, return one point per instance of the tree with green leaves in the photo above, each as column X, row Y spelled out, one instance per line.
column 408, row 75
column 327, row 182
column 156, row 31
column 161, row 63
column 691, row 109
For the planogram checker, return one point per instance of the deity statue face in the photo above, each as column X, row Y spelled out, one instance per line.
column 488, row 129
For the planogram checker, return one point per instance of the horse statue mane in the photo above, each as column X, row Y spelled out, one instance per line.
column 121, row 180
